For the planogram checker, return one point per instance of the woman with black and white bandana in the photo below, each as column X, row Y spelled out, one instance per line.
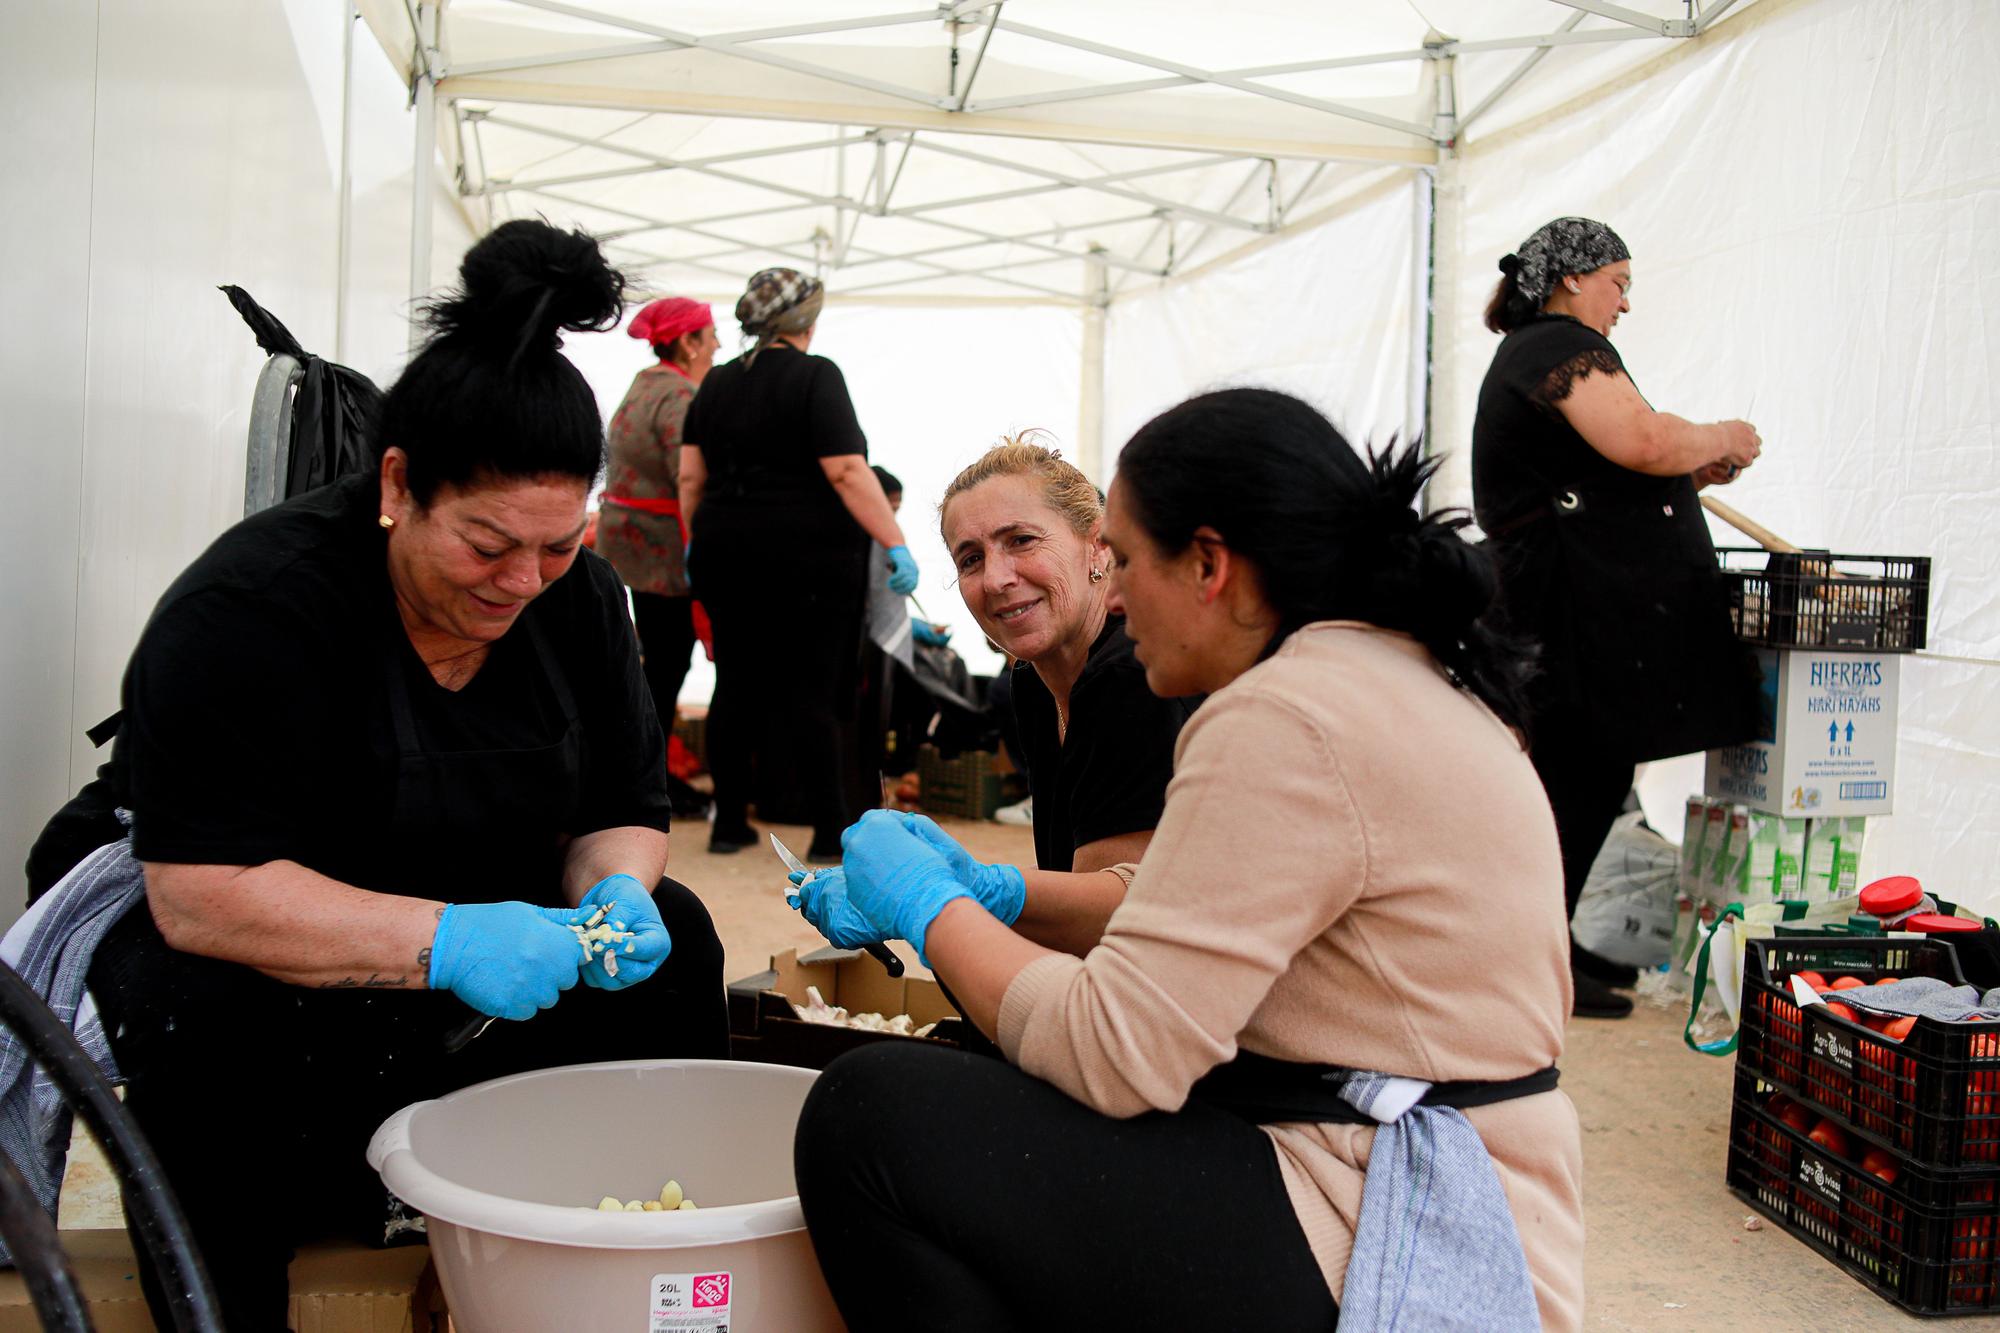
column 784, row 511
column 1588, row 497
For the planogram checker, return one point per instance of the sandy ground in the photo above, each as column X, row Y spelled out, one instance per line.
column 1666, row 1245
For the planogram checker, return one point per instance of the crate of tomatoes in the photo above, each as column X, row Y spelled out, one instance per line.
column 1921, row 1237
column 1924, row 1088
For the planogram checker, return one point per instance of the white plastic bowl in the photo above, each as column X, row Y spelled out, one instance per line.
column 509, row 1173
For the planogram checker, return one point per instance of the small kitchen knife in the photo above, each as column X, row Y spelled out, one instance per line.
column 879, row 952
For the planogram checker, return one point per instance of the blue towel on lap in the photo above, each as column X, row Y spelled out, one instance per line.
column 51, row 947
column 1436, row 1247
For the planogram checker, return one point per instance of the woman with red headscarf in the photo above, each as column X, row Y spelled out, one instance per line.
column 639, row 529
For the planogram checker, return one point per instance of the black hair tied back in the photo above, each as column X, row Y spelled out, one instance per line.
column 491, row 396
column 524, row 284
column 1331, row 533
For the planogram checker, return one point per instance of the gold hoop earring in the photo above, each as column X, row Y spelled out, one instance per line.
column 386, row 521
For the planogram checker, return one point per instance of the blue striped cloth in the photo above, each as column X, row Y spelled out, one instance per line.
column 51, row 948
column 1436, row 1247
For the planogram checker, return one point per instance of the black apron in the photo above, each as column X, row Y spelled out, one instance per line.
column 1267, row 1091
column 1619, row 586
column 485, row 825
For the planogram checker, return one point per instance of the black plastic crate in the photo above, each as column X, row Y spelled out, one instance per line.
column 1925, row 1241
column 1934, row 1096
column 1819, row 599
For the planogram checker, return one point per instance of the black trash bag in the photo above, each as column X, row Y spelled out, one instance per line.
column 331, row 412
column 949, row 700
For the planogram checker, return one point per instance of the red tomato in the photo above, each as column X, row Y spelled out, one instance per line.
column 1877, row 1162
column 1898, row 1028
column 1813, row 979
column 1792, row 1114
column 1839, row 1010
column 1830, row 1137
column 1887, row 981
column 1846, row 983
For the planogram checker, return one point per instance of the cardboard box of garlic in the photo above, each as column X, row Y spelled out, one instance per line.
column 817, row 1010
column 807, row 1010
column 671, row 1200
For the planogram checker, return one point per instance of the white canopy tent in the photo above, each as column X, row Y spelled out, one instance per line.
column 979, row 151
column 1102, row 207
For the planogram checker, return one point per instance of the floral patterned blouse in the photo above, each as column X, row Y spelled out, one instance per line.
column 646, row 548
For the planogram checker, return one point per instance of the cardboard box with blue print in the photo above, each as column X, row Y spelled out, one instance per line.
column 1827, row 744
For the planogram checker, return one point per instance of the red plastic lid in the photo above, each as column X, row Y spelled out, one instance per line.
column 1935, row 923
column 1887, row 897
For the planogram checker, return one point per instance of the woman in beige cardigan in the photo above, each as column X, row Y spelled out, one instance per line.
column 1356, row 871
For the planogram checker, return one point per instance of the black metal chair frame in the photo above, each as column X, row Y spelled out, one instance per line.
column 156, row 1214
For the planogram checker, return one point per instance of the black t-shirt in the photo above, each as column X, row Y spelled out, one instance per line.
column 762, row 429
column 1110, row 776
column 1524, row 451
column 258, row 724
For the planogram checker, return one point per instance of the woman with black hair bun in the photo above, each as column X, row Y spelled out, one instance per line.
column 1588, row 498
column 1304, row 1072
column 384, row 744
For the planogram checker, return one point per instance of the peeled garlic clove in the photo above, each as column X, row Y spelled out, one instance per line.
column 634, row 1206
column 687, row 1206
column 670, row 1194
column 655, row 1206
column 607, row 1204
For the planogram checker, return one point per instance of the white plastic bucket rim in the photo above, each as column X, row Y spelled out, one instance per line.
column 392, row 1154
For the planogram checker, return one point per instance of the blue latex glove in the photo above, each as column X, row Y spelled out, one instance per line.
column 895, row 879
column 928, row 634
column 1000, row 889
column 902, row 571
column 822, row 898
column 506, row 960
column 627, row 901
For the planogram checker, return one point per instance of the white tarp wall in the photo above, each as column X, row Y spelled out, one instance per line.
column 1812, row 197
column 1325, row 314
column 153, row 153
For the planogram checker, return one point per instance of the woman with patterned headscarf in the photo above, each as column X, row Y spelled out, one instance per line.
column 1588, row 499
column 776, row 489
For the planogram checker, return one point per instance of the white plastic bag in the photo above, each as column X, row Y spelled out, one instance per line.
column 1626, row 911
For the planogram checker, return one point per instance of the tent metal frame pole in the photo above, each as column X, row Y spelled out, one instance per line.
column 423, row 164
column 1712, row 14
column 1651, row 25
column 1090, row 396
column 653, row 164
column 653, row 101
column 1101, row 184
column 343, row 261
column 1534, row 58
column 1217, row 77
column 785, row 251
column 1092, row 91
column 965, row 93
column 737, row 45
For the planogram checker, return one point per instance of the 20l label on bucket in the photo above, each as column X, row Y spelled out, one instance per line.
column 689, row 1303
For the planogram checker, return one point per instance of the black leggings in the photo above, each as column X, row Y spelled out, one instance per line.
column 1587, row 783
column 260, row 1097
column 787, row 625
column 666, row 638
column 952, row 1191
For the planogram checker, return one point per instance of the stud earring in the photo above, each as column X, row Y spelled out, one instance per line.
column 386, row 521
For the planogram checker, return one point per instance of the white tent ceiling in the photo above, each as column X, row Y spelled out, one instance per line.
column 1040, row 150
